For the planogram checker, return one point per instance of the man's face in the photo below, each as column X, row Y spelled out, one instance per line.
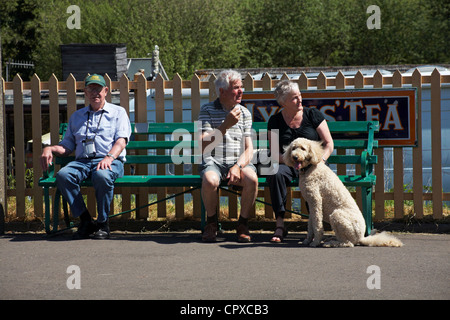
column 96, row 93
column 233, row 95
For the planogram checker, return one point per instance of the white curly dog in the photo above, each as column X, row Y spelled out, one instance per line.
column 328, row 199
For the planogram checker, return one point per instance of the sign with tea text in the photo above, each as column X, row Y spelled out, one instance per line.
column 395, row 109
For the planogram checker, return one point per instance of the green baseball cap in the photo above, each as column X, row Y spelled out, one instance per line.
column 95, row 78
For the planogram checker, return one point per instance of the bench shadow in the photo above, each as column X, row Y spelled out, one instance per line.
column 224, row 240
column 158, row 237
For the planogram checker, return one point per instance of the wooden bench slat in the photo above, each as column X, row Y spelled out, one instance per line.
column 335, row 126
column 195, row 181
column 161, row 128
column 159, row 159
column 161, row 144
column 350, row 159
column 338, row 144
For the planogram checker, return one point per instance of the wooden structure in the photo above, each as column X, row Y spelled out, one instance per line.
column 82, row 59
column 71, row 86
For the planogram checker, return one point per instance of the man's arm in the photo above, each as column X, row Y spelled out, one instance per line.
column 47, row 155
column 115, row 151
column 234, row 174
column 231, row 119
column 247, row 155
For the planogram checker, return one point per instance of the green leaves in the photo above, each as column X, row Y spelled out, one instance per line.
column 202, row 34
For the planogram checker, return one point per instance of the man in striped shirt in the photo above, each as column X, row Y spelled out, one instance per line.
column 227, row 151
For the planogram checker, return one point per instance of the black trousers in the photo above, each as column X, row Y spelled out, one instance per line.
column 278, row 188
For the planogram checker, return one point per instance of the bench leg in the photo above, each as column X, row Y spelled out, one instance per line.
column 47, row 219
column 56, row 211
column 47, row 210
column 367, row 208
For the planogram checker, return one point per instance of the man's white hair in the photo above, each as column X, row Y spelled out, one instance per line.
column 225, row 79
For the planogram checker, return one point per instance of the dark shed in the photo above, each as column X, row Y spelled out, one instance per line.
column 81, row 59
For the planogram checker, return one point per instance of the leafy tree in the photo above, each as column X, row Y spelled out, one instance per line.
column 198, row 34
column 18, row 28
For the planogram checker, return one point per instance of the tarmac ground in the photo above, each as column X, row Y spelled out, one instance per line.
column 178, row 266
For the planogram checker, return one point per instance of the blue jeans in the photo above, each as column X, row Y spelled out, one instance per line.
column 68, row 181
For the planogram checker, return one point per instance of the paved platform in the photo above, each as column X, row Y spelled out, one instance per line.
column 171, row 265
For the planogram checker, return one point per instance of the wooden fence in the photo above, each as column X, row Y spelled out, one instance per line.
column 126, row 89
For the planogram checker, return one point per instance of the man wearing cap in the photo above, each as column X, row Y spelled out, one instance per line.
column 98, row 134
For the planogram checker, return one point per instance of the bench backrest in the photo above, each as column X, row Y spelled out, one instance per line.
column 148, row 138
column 356, row 135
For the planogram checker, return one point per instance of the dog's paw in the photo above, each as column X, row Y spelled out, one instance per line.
column 337, row 244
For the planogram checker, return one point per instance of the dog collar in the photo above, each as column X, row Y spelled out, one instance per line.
column 303, row 170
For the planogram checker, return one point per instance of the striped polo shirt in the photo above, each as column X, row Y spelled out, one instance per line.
column 211, row 116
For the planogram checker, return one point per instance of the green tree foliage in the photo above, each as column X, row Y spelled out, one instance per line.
column 18, row 31
column 199, row 34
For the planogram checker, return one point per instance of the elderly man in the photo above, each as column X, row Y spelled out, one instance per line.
column 227, row 151
column 98, row 134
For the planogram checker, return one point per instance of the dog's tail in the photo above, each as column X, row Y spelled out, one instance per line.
column 382, row 239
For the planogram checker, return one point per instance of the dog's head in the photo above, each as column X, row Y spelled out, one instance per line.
column 303, row 152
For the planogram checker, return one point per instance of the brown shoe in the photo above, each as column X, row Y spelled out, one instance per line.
column 243, row 233
column 210, row 232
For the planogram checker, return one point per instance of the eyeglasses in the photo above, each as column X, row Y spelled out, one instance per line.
column 94, row 89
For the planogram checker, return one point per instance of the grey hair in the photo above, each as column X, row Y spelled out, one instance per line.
column 283, row 88
column 225, row 79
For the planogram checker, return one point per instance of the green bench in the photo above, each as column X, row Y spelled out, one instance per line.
column 346, row 134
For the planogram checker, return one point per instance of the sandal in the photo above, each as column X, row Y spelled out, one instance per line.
column 278, row 236
column 243, row 234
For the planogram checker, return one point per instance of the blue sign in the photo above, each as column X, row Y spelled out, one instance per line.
column 395, row 110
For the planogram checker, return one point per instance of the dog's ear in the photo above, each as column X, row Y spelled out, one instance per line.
column 316, row 152
column 287, row 155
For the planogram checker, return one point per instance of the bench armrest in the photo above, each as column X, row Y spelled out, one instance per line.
column 364, row 163
column 50, row 172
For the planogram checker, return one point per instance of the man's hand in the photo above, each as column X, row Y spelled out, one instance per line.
column 46, row 158
column 117, row 149
column 47, row 155
column 234, row 175
column 105, row 163
column 232, row 118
